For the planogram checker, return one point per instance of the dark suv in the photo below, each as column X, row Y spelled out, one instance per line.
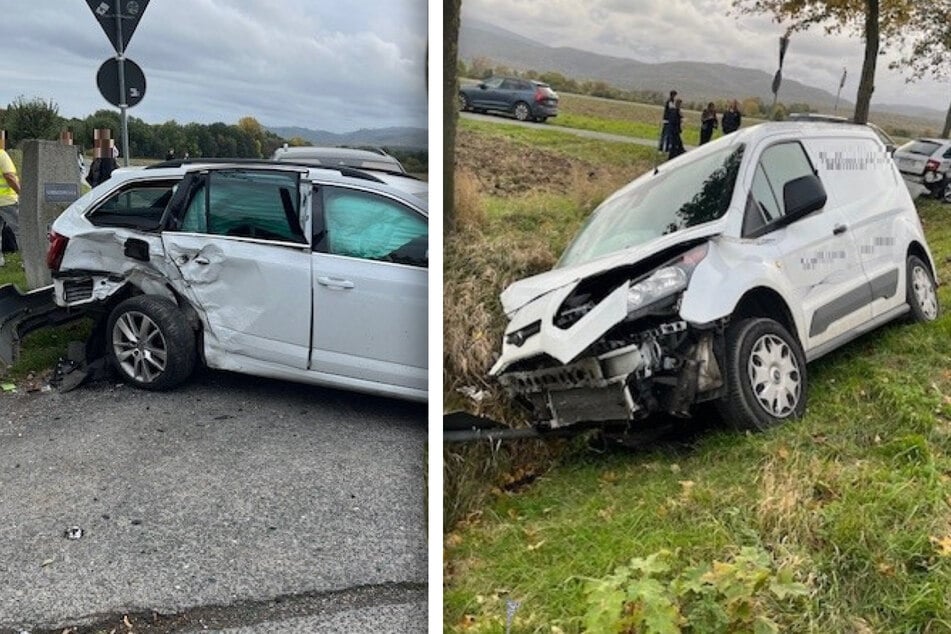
column 527, row 99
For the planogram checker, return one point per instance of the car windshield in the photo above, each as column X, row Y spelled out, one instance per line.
column 922, row 147
column 688, row 195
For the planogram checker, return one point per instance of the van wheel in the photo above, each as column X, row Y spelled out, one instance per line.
column 920, row 291
column 766, row 376
column 150, row 343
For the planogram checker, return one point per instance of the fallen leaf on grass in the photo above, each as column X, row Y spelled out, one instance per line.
column 467, row 621
column 453, row 540
column 536, row 546
column 942, row 545
column 606, row 514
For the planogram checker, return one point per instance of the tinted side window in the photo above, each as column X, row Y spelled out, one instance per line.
column 509, row 84
column 264, row 205
column 493, row 82
column 363, row 225
column 136, row 206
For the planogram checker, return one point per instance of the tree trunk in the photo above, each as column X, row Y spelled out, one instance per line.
column 947, row 124
column 867, row 82
column 450, row 111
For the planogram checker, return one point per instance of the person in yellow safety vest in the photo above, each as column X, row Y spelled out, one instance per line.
column 9, row 205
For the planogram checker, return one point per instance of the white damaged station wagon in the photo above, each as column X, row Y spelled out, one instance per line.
column 287, row 271
column 717, row 277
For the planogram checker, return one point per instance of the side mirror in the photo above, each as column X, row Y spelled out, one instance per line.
column 890, row 148
column 803, row 195
column 483, row 86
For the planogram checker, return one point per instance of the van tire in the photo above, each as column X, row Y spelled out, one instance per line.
column 765, row 376
column 920, row 291
column 166, row 331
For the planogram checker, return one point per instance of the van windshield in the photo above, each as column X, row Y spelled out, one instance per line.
column 685, row 196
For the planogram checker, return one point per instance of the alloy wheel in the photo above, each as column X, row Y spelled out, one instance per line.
column 139, row 346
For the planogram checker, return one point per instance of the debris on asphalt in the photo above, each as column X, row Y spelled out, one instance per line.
column 47, row 562
column 8, row 387
column 73, row 532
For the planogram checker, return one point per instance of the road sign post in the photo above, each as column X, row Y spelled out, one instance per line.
column 119, row 35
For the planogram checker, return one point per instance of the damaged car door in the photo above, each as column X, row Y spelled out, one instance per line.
column 238, row 240
column 370, row 258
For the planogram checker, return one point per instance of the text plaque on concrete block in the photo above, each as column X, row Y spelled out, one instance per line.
column 60, row 192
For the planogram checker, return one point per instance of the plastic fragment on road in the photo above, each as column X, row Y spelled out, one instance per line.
column 73, row 533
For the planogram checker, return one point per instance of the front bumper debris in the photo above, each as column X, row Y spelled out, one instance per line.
column 667, row 368
column 21, row 314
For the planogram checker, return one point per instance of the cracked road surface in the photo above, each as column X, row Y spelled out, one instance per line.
column 232, row 503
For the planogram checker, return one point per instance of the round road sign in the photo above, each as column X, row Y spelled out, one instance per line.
column 108, row 81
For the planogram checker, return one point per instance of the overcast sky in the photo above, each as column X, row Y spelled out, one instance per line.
column 321, row 64
column 703, row 31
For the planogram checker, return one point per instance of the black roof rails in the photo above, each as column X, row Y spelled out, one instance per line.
column 344, row 171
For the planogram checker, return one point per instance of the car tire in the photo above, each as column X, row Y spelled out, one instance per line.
column 946, row 196
column 523, row 111
column 463, row 103
column 920, row 291
column 139, row 332
column 765, row 376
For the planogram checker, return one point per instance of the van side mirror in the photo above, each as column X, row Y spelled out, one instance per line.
column 803, row 195
column 482, row 85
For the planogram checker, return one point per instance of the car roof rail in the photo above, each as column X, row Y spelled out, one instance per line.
column 344, row 171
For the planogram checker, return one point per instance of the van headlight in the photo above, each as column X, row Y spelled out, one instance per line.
column 661, row 283
column 664, row 282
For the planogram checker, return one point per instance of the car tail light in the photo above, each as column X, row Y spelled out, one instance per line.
column 932, row 165
column 540, row 95
column 57, row 248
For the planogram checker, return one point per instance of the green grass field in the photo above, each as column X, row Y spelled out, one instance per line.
column 850, row 507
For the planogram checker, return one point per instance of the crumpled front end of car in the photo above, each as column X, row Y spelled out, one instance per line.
column 612, row 348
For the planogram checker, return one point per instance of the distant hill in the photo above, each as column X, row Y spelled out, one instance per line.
column 695, row 81
column 401, row 137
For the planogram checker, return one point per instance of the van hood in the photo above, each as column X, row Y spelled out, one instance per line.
column 523, row 292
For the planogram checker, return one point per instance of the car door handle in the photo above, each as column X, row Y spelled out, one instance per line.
column 839, row 230
column 201, row 260
column 334, row 282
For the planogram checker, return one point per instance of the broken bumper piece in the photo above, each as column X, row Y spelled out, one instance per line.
column 662, row 370
column 21, row 314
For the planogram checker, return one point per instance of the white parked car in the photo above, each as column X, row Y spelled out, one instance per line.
column 301, row 273
column 927, row 162
column 717, row 277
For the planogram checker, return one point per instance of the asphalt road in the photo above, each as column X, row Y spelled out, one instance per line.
column 233, row 502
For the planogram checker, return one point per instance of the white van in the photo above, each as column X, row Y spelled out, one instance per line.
column 716, row 277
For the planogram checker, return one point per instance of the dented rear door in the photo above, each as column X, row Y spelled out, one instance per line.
column 239, row 244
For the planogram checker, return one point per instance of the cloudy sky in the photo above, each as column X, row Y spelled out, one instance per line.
column 704, row 31
column 322, row 64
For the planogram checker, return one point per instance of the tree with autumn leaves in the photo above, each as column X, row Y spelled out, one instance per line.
column 918, row 28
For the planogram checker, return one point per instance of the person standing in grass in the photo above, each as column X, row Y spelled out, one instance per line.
column 675, row 145
column 9, row 204
column 708, row 122
column 664, row 145
column 731, row 118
